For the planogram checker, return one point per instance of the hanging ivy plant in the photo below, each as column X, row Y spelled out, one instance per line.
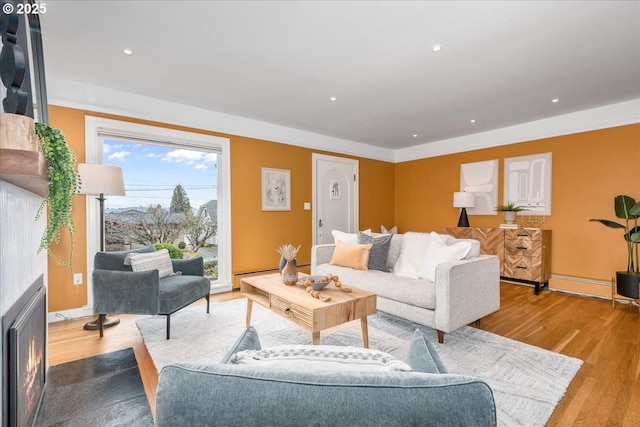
column 64, row 184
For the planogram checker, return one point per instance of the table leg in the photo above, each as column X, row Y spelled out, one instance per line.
column 315, row 338
column 365, row 332
column 249, row 308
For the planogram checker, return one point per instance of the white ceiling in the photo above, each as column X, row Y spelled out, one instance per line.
column 501, row 63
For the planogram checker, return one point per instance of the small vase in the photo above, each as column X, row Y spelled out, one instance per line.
column 290, row 273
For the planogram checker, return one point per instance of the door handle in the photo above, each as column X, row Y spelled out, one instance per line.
column 319, row 223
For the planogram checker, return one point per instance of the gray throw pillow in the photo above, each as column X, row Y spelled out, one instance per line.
column 379, row 251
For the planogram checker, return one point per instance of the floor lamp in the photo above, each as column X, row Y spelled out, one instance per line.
column 101, row 180
column 464, row 200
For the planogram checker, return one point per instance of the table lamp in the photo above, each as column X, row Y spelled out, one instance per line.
column 464, row 200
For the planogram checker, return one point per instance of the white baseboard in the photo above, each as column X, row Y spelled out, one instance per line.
column 71, row 314
column 218, row 288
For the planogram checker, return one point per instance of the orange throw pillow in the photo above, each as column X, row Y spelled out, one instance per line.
column 354, row 256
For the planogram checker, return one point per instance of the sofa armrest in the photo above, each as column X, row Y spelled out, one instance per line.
column 466, row 291
column 190, row 266
column 134, row 292
column 321, row 254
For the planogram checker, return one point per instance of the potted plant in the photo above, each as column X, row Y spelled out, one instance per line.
column 63, row 185
column 510, row 211
column 627, row 282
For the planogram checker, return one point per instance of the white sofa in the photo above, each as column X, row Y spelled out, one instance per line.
column 458, row 293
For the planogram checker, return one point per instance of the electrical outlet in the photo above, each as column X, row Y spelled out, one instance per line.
column 77, row 279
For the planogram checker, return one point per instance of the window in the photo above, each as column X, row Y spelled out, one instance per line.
column 155, row 162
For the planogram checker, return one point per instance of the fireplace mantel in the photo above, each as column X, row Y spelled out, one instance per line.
column 24, row 169
column 21, row 163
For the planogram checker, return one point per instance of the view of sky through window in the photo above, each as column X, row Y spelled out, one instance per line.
column 151, row 172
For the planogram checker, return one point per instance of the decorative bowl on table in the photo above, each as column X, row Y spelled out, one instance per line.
column 317, row 282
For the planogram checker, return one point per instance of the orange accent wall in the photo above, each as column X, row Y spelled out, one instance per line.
column 588, row 170
column 255, row 235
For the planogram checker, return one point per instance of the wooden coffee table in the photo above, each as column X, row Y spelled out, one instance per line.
column 295, row 304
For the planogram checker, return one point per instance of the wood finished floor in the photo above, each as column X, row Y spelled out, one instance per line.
column 605, row 392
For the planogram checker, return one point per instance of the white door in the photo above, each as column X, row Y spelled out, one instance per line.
column 335, row 196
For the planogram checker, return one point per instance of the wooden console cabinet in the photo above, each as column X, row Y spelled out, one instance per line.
column 525, row 254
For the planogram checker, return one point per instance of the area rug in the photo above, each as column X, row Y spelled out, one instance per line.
column 527, row 381
column 104, row 390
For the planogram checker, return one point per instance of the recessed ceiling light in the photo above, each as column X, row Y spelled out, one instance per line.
column 127, row 51
column 436, row 48
column 415, row 135
column 333, row 99
column 555, row 100
column 472, row 121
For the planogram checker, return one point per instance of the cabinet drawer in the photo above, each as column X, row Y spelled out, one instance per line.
column 293, row 312
column 522, row 233
column 523, row 267
column 524, row 247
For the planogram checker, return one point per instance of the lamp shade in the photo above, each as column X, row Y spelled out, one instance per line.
column 463, row 199
column 101, row 179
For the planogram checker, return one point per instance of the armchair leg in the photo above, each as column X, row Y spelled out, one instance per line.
column 440, row 336
column 168, row 325
column 207, row 296
column 100, row 321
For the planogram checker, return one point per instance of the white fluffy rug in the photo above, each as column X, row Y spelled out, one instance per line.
column 527, row 381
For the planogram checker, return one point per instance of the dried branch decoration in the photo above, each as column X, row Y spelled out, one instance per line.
column 288, row 252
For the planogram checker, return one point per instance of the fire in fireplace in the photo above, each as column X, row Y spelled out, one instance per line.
column 24, row 328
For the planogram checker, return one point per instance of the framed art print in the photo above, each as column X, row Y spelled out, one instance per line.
column 276, row 189
column 527, row 182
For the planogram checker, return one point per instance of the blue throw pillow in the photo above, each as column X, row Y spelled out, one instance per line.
column 248, row 341
column 422, row 355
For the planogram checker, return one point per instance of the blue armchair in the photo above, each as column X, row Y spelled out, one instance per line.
column 119, row 289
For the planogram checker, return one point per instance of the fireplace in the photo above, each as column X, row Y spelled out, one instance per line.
column 24, row 331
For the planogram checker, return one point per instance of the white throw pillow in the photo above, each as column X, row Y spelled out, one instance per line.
column 350, row 238
column 392, row 230
column 320, row 358
column 475, row 244
column 158, row 260
column 438, row 252
column 412, row 250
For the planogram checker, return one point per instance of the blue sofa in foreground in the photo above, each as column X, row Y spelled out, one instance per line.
column 231, row 394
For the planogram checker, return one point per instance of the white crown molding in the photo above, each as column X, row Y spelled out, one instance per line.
column 68, row 93
column 73, row 94
column 623, row 113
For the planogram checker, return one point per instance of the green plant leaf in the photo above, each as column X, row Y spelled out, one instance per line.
column 623, row 205
column 63, row 185
column 608, row 223
column 510, row 207
column 635, row 210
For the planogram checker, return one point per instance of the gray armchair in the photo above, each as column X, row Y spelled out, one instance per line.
column 119, row 289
